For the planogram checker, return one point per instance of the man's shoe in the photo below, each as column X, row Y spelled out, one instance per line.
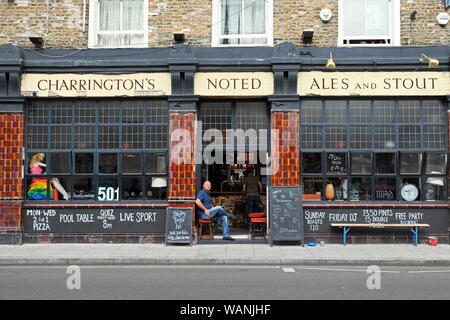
column 232, row 217
column 228, row 238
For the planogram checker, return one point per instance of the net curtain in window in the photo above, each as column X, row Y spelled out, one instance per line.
column 242, row 17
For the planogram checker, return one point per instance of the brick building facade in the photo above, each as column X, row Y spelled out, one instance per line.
column 47, row 117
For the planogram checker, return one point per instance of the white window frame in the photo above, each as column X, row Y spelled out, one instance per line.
column 94, row 26
column 394, row 28
column 216, row 28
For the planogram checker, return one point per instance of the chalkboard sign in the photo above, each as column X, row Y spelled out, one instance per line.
column 285, row 214
column 104, row 220
column 179, row 225
column 383, row 192
column 354, row 194
column 319, row 220
column 338, row 193
column 336, row 163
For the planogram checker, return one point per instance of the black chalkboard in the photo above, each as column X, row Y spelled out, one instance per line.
column 339, row 193
column 354, row 194
column 336, row 163
column 84, row 220
column 285, row 214
column 179, row 225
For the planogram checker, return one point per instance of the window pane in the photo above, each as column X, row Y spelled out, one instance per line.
column 60, row 163
column 384, row 111
column 109, row 15
column 155, row 163
column 84, row 163
column 37, row 137
column 108, row 112
column 61, row 188
column 361, row 163
column 312, row 162
column 312, row 188
column 133, row 112
column 61, row 137
column 254, row 16
column 385, row 163
column 433, row 137
column 132, row 137
column 336, row 137
column 410, row 163
column 83, row 188
column 108, row 137
column 336, row 163
column 385, row 189
column 37, row 163
column 85, row 137
column 131, row 163
column 156, row 188
column 360, row 111
column 360, row 189
column 384, row 137
column 131, row 188
column 108, row 189
column 354, row 18
column 251, row 115
column 61, row 112
column 216, row 115
column 360, row 137
column 157, row 112
column 377, row 17
column 409, row 137
column 410, row 189
column 433, row 111
column 311, row 137
column 85, row 112
column 37, row 188
column 231, row 17
column 38, row 113
column 408, row 111
column 311, row 112
column 340, row 186
column 157, row 137
column 107, row 163
column 434, row 189
column 436, row 164
column 133, row 15
column 335, row 111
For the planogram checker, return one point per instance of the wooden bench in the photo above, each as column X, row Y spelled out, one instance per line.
column 413, row 227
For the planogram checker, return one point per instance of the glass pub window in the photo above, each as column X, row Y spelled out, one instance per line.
column 390, row 144
column 94, row 149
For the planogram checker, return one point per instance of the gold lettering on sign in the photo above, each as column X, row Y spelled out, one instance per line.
column 233, row 84
column 94, row 85
column 374, row 83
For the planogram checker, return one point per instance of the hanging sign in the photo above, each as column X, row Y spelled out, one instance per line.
column 442, row 18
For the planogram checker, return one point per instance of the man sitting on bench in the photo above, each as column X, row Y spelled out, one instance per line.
column 207, row 212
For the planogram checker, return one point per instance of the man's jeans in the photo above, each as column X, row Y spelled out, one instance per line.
column 252, row 205
column 222, row 217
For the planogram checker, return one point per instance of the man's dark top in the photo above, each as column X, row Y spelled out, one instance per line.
column 252, row 186
column 204, row 197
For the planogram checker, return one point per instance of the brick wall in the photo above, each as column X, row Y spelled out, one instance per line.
column 61, row 25
column 285, row 151
column 11, row 152
column 182, row 174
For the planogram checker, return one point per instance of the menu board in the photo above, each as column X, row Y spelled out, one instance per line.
column 336, row 163
column 104, row 220
column 319, row 220
column 179, row 225
column 285, row 214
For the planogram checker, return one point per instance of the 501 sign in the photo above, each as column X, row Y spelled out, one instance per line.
column 108, row 194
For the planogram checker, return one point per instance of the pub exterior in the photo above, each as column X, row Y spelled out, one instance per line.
column 96, row 144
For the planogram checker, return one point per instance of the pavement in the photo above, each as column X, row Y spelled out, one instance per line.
column 225, row 254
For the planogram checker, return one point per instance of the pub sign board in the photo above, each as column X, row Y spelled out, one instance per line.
column 179, row 225
column 101, row 220
column 285, row 214
column 318, row 220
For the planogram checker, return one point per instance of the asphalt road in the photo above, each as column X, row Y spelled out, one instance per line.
column 227, row 282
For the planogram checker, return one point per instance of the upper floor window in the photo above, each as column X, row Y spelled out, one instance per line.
column 118, row 23
column 242, row 22
column 369, row 22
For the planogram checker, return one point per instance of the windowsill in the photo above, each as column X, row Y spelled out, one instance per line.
column 91, row 204
column 119, row 47
column 368, row 204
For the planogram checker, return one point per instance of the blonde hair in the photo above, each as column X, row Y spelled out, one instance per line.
column 38, row 157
